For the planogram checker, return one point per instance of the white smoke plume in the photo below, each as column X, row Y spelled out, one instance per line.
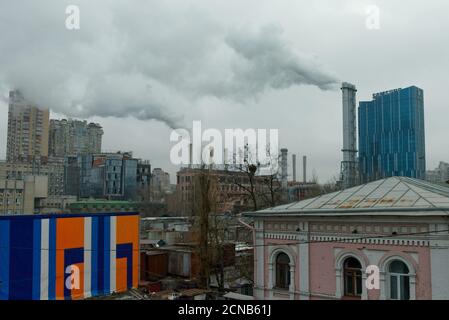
column 141, row 58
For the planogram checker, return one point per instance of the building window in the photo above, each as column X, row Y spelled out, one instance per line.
column 399, row 280
column 352, row 277
column 282, row 271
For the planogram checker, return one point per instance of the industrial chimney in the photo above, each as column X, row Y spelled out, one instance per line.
column 284, row 174
column 225, row 158
column 190, row 155
column 294, row 167
column 349, row 167
column 304, row 168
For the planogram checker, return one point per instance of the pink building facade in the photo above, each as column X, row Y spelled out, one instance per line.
column 392, row 232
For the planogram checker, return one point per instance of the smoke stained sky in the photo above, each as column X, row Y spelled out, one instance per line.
column 231, row 64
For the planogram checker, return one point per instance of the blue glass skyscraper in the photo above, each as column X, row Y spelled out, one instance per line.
column 391, row 135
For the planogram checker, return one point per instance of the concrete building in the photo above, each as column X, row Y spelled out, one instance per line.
column 144, row 179
column 94, row 137
column 325, row 247
column 28, row 129
column 22, row 196
column 144, row 173
column 161, row 179
column 74, row 137
column 159, row 185
column 439, row 174
column 72, row 172
column 391, row 135
column 230, row 187
column 299, row 191
column 53, row 169
column 58, row 204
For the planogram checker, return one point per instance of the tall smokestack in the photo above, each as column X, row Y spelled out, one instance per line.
column 294, row 167
column 190, row 155
column 304, row 168
column 349, row 175
column 225, row 158
column 284, row 174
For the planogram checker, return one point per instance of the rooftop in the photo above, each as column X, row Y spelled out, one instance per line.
column 398, row 195
column 102, row 203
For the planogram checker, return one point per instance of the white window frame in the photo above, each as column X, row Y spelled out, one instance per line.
column 272, row 272
column 411, row 276
column 340, row 277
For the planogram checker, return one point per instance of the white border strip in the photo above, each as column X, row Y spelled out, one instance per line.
column 113, row 255
column 45, row 249
column 87, row 256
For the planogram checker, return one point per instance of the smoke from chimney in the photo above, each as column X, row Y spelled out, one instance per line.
column 133, row 72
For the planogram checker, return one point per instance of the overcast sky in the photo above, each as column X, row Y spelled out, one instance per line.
column 139, row 67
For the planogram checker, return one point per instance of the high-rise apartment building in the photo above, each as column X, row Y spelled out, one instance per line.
column 74, row 137
column 28, row 129
column 392, row 136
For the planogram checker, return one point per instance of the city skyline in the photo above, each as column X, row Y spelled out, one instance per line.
column 297, row 110
column 236, row 151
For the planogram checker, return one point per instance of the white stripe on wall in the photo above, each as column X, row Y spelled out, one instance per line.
column 113, row 254
column 87, row 256
column 45, row 248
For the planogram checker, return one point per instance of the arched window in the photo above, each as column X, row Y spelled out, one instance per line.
column 282, row 271
column 352, row 270
column 399, row 280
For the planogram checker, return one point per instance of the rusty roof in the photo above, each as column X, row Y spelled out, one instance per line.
column 393, row 194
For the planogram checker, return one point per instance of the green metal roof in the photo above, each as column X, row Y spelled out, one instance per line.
column 101, row 203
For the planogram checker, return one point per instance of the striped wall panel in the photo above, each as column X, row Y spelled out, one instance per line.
column 64, row 257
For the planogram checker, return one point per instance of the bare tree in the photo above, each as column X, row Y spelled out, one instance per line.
column 331, row 185
column 211, row 229
column 261, row 190
column 272, row 191
column 204, row 205
column 248, row 183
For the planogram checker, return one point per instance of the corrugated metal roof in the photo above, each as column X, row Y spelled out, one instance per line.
column 237, row 296
column 193, row 292
column 395, row 193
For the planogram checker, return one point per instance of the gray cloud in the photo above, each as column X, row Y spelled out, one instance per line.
column 196, row 59
column 148, row 62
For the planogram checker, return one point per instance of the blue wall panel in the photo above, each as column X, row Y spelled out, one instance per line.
column 4, row 259
column 21, row 259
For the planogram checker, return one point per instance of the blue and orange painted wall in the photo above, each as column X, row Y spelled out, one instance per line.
column 37, row 254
